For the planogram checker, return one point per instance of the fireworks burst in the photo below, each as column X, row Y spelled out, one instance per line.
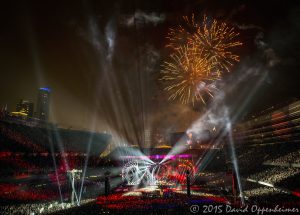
column 201, row 53
column 188, row 75
column 217, row 40
column 180, row 35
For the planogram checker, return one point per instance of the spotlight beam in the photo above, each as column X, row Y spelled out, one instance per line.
column 234, row 161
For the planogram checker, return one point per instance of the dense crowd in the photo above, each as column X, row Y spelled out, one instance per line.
column 292, row 157
column 261, row 191
column 21, row 157
column 31, row 169
column 252, row 158
column 39, row 208
column 275, row 175
column 25, row 192
column 254, row 163
column 271, row 196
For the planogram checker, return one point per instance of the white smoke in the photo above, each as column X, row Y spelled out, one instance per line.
column 102, row 42
column 94, row 34
column 247, row 27
column 214, row 117
column 151, row 57
column 268, row 53
column 110, row 36
column 140, row 18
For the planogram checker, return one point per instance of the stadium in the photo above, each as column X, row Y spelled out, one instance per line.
column 34, row 169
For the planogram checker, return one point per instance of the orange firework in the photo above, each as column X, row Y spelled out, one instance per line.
column 180, row 35
column 188, row 75
column 200, row 53
column 217, row 40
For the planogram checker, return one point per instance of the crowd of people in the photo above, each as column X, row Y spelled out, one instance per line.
column 254, row 164
column 271, row 196
column 292, row 157
column 40, row 207
column 251, row 158
column 274, row 175
column 21, row 157
column 31, row 169
column 261, row 191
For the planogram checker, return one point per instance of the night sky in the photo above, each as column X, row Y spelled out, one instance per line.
column 103, row 69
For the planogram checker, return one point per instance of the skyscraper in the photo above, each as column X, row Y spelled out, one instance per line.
column 25, row 107
column 43, row 103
